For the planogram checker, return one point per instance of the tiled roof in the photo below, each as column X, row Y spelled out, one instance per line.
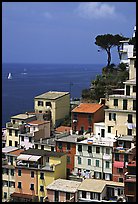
column 17, row 152
column 87, row 108
column 64, row 185
column 63, row 129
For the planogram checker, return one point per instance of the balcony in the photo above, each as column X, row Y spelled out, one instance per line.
column 25, row 164
column 11, row 125
column 120, row 150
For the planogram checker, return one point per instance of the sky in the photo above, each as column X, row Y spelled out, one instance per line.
column 62, row 32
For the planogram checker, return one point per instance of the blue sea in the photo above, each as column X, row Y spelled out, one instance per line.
column 30, row 80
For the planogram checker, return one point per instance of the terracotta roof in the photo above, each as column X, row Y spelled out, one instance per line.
column 37, row 122
column 63, row 129
column 87, row 108
column 17, row 152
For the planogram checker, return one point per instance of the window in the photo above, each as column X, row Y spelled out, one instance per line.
column 42, row 147
column 120, row 170
column 16, row 143
column 134, row 89
column 120, row 180
column 68, row 146
column 32, row 174
column 120, row 191
column 41, row 199
column 134, row 104
column 68, row 159
column 67, row 196
column 42, row 188
column 129, row 118
column 22, row 138
column 75, row 116
column 56, row 196
column 79, row 160
column 12, row 172
column 19, row 185
column 19, row 172
column 36, row 146
column 40, row 103
column 109, row 116
column 125, row 157
column 107, row 150
column 16, row 133
column 109, row 129
column 130, row 187
column 32, row 186
column 97, row 163
column 116, row 157
column 89, row 162
column 89, row 149
column 129, row 131
column 10, row 142
column 5, row 195
column 115, row 102
column 52, row 149
column 30, row 139
column 83, row 194
column 80, row 148
column 98, row 150
column 48, row 104
column 10, row 132
column 114, row 116
column 124, row 104
column 90, row 119
column 127, row 90
column 41, row 175
column 102, row 132
column 60, row 145
column 107, row 164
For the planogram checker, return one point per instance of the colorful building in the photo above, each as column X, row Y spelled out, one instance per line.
column 54, row 105
column 85, row 115
column 35, row 169
column 62, row 190
column 14, row 127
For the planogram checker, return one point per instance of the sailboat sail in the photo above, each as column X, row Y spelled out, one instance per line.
column 9, row 76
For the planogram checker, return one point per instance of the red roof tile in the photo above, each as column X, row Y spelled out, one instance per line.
column 87, row 108
column 63, row 129
column 17, row 152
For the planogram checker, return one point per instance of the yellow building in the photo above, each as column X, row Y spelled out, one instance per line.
column 54, row 105
column 9, row 155
column 13, row 128
column 120, row 117
column 37, row 168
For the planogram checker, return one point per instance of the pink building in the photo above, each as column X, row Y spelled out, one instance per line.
column 62, row 190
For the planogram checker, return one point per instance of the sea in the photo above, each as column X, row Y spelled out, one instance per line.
column 30, row 80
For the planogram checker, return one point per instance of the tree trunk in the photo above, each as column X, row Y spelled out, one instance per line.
column 109, row 57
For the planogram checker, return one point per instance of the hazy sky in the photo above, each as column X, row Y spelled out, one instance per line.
column 62, row 32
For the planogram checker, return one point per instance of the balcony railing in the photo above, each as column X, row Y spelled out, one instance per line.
column 120, row 150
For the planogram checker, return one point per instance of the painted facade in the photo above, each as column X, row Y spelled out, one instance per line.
column 85, row 115
column 51, row 105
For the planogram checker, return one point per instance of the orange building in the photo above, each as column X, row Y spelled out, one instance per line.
column 85, row 115
column 67, row 144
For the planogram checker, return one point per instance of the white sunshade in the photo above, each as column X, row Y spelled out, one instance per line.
column 34, row 158
column 24, row 157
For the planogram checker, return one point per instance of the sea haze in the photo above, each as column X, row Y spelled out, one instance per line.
column 30, row 80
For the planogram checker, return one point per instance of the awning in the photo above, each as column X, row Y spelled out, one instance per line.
column 34, row 158
column 24, row 157
column 118, row 164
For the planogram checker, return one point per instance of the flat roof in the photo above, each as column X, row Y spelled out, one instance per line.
column 8, row 149
column 22, row 116
column 87, row 108
column 69, row 138
column 97, row 185
column 38, row 122
column 40, row 152
column 51, row 95
column 64, row 185
column 48, row 141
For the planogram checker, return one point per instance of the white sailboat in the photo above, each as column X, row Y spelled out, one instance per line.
column 9, row 76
